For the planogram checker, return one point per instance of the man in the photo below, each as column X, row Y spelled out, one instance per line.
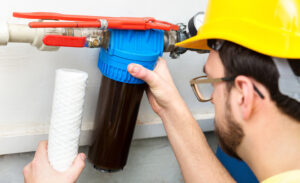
column 255, row 77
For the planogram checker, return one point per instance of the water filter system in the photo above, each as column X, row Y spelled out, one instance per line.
column 120, row 94
column 123, row 40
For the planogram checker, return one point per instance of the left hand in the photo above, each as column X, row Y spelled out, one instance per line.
column 162, row 93
column 40, row 170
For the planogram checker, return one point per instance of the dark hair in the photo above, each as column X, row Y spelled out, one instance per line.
column 239, row 60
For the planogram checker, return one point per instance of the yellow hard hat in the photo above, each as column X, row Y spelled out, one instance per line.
column 270, row 27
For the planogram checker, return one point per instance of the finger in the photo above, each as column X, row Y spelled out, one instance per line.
column 152, row 101
column 77, row 167
column 150, row 96
column 161, row 65
column 162, row 70
column 140, row 72
column 26, row 170
column 41, row 151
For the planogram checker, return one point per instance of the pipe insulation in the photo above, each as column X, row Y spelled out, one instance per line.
column 67, row 108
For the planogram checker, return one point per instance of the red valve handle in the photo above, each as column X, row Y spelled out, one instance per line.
column 67, row 41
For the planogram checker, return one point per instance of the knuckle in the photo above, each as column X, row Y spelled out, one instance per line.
column 82, row 165
column 163, row 61
column 34, row 162
column 26, row 170
column 146, row 76
column 144, row 73
column 155, row 82
column 39, row 146
column 69, row 177
column 42, row 143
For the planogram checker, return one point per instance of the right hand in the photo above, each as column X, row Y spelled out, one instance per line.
column 40, row 170
column 162, row 93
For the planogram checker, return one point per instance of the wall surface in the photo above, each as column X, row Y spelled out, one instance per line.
column 27, row 74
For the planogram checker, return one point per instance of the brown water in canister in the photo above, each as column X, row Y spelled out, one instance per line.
column 115, row 120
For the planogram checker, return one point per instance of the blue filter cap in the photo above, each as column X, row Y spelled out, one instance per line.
column 130, row 46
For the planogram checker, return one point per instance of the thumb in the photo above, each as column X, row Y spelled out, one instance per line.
column 140, row 72
column 77, row 166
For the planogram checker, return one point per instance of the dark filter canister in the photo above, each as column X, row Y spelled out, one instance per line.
column 120, row 94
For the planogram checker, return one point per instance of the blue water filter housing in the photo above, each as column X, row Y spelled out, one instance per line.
column 130, row 46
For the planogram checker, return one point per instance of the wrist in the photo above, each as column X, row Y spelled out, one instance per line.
column 175, row 109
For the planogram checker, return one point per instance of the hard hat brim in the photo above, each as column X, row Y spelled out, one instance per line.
column 195, row 42
column 260, row 38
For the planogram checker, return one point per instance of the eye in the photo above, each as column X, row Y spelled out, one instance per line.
column 206, row 90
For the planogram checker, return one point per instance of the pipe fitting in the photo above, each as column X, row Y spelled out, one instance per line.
column 100, row 40
column 40, row 34
column 4, row 34
column 172, row 37
column 20, row 33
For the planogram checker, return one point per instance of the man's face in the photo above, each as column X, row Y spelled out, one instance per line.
column 227, row 129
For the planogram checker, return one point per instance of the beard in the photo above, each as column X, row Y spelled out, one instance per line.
column 230, row 136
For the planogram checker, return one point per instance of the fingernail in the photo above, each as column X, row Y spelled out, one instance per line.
column 135, row 69
column 129, row 67
column 82, row 156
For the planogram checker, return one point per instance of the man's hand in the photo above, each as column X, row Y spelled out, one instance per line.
column 162, row 93
column 40, row 170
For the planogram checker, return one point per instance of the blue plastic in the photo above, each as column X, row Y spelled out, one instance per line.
column 239, row 170
column 130, row 46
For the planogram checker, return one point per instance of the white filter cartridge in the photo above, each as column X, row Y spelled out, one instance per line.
column 68, row 100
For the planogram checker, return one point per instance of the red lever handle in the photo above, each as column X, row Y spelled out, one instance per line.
column 67, row 41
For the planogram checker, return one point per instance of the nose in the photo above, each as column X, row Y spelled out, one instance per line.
column 212, row 101
column 212, row 98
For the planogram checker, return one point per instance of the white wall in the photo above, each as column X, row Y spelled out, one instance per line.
column 27, row 75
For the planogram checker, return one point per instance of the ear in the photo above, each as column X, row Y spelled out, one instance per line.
column 244, row 95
